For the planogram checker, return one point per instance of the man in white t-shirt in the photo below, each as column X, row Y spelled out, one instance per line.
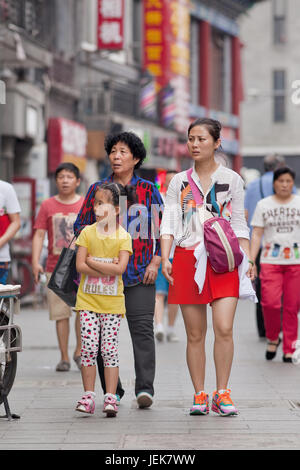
column 9, row 225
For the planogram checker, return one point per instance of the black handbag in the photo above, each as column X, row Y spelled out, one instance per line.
column 64, row 280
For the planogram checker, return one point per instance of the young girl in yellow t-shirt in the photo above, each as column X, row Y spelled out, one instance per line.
column 102, row 257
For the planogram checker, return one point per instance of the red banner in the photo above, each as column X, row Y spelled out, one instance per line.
column 110, row 32
column 67, row 141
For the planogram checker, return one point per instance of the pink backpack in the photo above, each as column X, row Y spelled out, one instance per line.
column 221, row 243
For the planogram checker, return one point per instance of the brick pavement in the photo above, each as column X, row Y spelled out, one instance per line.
column 266, row 393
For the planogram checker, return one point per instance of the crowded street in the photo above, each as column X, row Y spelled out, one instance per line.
column 267, row 395
column 149, row 228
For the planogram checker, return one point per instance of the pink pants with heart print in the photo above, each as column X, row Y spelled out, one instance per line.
column 92, row 325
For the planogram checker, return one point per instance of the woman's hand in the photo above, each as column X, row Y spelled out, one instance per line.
column 152, row 271
column 255, row 271
column 252, row 271
column 166, row 268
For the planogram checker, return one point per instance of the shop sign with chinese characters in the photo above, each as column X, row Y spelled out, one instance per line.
column 110, row 24
column 67, row 142
column 166, row 51
column 164, row 146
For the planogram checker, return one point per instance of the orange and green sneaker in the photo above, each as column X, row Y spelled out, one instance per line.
column 223, row 404
column 200, row 405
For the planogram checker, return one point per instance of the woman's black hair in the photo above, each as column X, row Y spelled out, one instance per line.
column 283, row 170
column 214, row 127
column 134, row 143
column 118, row 190
column 68, row 166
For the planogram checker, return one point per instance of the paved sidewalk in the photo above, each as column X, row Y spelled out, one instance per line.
column 266, row 393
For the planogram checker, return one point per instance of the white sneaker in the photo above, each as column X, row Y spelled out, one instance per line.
column 159, row 332
column 172, row 337
column 144, row 400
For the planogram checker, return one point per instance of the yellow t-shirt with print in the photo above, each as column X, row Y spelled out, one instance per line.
column 102, row 294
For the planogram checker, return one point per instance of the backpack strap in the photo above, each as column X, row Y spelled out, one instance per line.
column 214, row 201
column 194, row 187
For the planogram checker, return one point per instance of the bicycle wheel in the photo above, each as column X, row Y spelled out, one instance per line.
column 9, row 367
column 22, row 275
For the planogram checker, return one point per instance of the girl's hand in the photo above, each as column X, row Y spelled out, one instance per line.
column 166, row 268
column 89, row 260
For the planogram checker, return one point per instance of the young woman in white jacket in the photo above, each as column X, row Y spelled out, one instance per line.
column 222, row 194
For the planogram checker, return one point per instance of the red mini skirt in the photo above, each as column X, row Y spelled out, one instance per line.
column 186, row 291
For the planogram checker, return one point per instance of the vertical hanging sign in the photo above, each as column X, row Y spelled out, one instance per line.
column 110, row 32
column 178, row 40
column 167, row 53
column 154, row 21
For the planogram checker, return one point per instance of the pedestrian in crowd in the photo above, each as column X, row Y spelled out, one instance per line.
column 9, row 225
column 102, row 257
column 126, row 154
column 162, row 288
column 255, row 191
column 56, row 218
column 277, row 220
column 221, row 191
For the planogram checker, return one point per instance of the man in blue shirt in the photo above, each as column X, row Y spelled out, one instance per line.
column 256, row 190
column 263, row 186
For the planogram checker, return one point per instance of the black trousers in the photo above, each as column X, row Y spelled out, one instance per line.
column 140, row 303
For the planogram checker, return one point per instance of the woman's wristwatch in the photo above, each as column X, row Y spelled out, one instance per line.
column 251, row 262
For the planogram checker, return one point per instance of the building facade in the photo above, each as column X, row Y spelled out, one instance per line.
column 73, row 71
column 271, row 108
